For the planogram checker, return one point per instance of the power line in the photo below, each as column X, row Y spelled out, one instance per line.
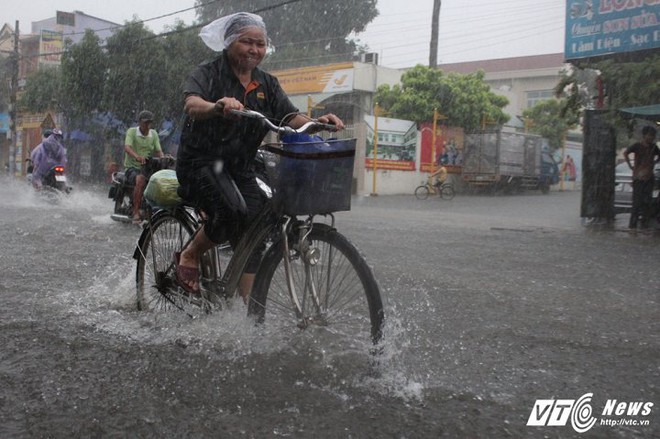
column 518, row 32
column 163, row 34
column 146, row 20
column 505, row 19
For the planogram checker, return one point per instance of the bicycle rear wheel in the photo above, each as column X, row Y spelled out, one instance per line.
column 333, row 285
column 156, row 288
column 422, row 192
column 447, row 192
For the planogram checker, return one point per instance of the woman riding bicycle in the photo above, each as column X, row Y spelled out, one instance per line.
column 217, row 149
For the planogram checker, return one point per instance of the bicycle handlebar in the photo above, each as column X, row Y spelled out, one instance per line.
column 285, row 129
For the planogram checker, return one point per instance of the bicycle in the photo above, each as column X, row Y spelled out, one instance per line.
column 308, row 270
column 445, row 190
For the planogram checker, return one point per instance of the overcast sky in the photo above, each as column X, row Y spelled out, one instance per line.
column 469, row 29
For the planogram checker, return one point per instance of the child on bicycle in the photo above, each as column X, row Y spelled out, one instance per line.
column 438, row 178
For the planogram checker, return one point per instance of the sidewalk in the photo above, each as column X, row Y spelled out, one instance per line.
column 558, row 210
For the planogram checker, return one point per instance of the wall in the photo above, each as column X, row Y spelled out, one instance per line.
column 391, row 182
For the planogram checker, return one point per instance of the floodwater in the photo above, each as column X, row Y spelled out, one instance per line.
column 492, row 303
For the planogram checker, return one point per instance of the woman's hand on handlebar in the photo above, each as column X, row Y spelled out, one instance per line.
column 224, row 106
column 329, row 122
column 199, row 108
column 334, row 121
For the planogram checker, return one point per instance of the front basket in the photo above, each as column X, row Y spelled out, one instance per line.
column 311, row 178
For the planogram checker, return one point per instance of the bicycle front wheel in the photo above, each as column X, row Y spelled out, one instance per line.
column 447, row 192
column 156, row 289
column 422, row 192
column 331, row 286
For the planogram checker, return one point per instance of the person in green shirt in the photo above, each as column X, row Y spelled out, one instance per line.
column 141, row 143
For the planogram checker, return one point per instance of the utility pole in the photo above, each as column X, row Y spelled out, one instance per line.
column 433, row 139
column 435, row 24
column 436, row 117
column 375, row 151
column 12, row 105
column 312, row 106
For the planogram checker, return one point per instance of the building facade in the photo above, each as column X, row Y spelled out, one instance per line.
column 41, row 47
column 348, row 90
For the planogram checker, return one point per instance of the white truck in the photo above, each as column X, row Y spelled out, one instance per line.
column 508, row 161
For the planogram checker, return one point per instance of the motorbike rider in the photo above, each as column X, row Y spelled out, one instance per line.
column 141, row 143
column 48, row 154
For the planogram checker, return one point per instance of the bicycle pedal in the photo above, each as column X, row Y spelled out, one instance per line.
column 212, row 287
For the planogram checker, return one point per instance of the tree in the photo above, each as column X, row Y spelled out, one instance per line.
column 83, row 69
column 5, row 81
column 628, row 84
column 137, row 75
column 466, row 100
column 137, row 70
column 302, row 32
column 183, row 50
column 42, row 90
column 547, row 121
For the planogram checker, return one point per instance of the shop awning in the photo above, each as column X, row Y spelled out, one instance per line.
column 651, row 112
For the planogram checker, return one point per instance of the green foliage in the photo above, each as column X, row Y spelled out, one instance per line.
column 135, row 70
column 137, row 79
column 138, row 70
column 42, row 90
column 627, row 84
column 547, row 120
column 5, row 81
column 303, row 32
column 183, row 51
column 83, row 70
column 632, row 84
column 465, row 100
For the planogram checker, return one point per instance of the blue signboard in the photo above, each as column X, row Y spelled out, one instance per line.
column 4, row 122
column 602, row 27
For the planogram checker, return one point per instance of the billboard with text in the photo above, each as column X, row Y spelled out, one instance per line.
column 596, row 28
column 50, row 47
column 331, row 78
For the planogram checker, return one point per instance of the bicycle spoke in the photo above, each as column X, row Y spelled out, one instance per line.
column 348, row 296
column 156, row 289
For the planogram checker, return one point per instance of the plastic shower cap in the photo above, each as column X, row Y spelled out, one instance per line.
column 219, row 34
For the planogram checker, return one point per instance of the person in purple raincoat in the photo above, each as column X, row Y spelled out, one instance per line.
column 49, row 153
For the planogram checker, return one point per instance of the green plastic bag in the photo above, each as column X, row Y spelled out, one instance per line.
column 161, row 190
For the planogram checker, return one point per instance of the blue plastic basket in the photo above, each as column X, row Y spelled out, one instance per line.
column 312, row 177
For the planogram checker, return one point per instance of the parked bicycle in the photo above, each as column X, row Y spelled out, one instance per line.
column 442, row 190
column 308, row 271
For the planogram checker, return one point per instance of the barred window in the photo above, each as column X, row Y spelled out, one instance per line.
column 534, row 97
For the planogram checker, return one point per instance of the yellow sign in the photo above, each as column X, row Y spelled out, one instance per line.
column 50, row 47
column 331, row 78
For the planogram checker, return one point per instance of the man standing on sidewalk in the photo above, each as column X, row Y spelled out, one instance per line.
column 646, row 154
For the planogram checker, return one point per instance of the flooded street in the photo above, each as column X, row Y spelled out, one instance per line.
column 492, row 303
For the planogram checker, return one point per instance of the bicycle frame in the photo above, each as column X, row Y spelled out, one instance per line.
column 432, row 187
column 224, row 283
column 252, row 239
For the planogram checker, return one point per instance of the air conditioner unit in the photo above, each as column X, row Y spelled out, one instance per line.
column 370, row 58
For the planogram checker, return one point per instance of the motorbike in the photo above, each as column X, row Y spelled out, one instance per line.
column 121, row 190
column 54, row 184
